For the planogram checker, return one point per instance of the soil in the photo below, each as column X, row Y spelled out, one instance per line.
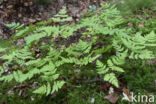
column 29, row 12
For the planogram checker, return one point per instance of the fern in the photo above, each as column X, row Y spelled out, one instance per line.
column 112, row 65
column 36, row 33
column 57, row 85
column 43, row 89
column 22, row 33
column 46, row 89
column 62, row 16
column 79, row 49
column 14, row 26
column 112, row 79
column 34, row 37
column 46, row 56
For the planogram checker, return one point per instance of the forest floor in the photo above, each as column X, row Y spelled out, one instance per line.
column 28, row 12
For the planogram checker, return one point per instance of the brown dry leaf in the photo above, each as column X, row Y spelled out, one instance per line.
column 32, row 20
column 26, row 4
column 30, row 3
column 105, row 87
column 113, row 98
column 10, row 6
column 19, row 15
column 127, row 92
column 39, row 19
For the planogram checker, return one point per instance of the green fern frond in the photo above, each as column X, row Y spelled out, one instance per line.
column 49, row 30
column 43, row 89
column 22, row 33
column 112, row 79
column 78, row 49
column 34, row 37
column 47, row 89
column 62, row 16
column 66, row 31
column 14, row 26
column 57, row 85
column 101, row 68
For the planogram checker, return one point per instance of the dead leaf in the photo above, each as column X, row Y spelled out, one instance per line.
column 32, row 20
column 30, row 3
column 105, row 87
column 26, row 4
column 127, row 92
column 10, row 6
column 19, row 15
column 113, row 98
column 39, row 19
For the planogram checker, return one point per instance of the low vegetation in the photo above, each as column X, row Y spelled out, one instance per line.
column 53, row 60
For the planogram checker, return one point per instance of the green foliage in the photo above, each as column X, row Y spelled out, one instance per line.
column 50, row 57
column 62, row 16
column 142, row 24
column 144, row 80
column 14, row 26
column 85, row 94
column 130, row 6
column 47, row 89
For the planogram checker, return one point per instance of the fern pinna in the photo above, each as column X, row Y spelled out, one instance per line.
column 49, row 53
